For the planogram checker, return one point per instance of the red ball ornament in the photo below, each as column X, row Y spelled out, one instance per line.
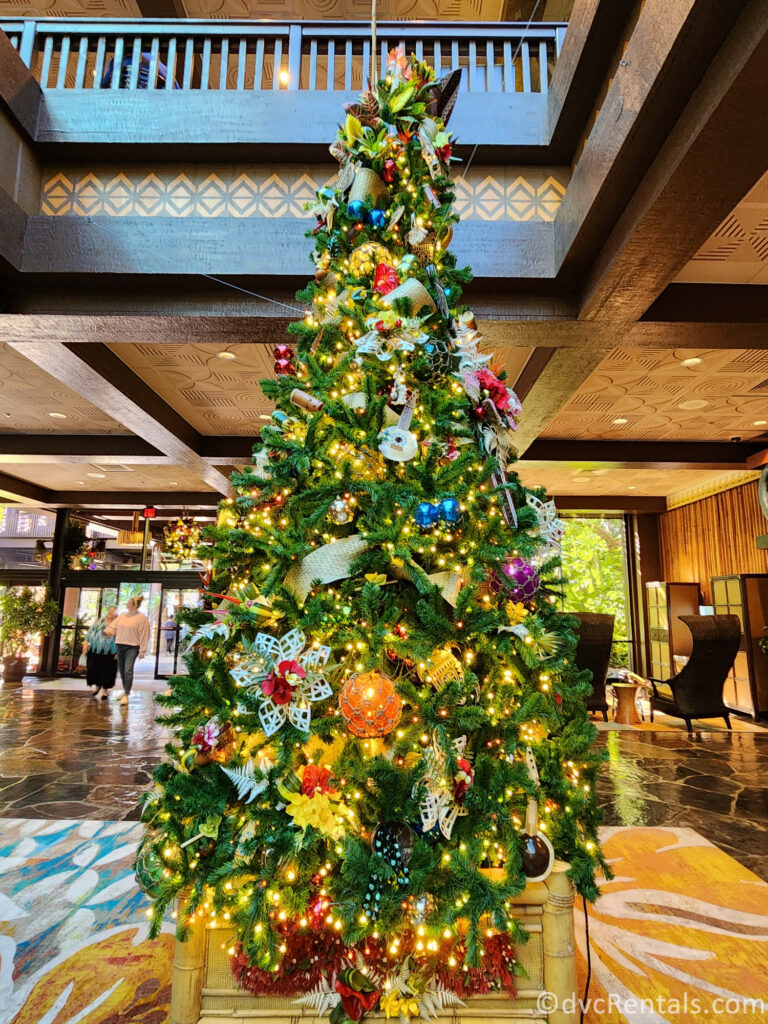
column 389, row 171
column 284, row 366
column 479, row 412
column 282, row 352
column 369, row 705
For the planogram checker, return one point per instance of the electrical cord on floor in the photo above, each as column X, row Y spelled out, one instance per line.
column 589, row 963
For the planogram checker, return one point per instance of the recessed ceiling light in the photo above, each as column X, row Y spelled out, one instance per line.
column 226, row 354
column 81, row 483
column 264, row 416
column 173, row 483
column 58, row 415
column 759, row 423
column 692, row 361
column 693, row 403
column 632, row 487
column 620, row 421
column 97, row 476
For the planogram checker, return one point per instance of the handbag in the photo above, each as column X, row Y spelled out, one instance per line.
column 82, row 661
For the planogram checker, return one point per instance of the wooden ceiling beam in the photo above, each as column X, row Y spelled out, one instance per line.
column 711, row 158
column 19, row 330
column 665, row 455
column 609, row 503
column 22, row 492
column 106, row 449
column 98, row 375
column 563, row 374
column 189, row 500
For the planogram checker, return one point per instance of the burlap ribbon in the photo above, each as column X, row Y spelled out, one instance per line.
column 333, row 562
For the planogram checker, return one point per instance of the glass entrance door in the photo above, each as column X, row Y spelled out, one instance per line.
column 80, row 609
column 168, row 644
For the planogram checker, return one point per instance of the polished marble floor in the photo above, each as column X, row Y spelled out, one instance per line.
column 64, row 754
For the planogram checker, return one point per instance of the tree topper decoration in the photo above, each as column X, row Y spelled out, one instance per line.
column 285, row 676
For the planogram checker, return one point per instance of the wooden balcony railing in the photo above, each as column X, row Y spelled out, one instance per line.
column 80, row 53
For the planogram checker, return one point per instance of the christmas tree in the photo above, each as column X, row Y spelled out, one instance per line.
column 382, row 735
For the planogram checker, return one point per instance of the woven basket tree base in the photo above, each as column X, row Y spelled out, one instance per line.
column 204, row 991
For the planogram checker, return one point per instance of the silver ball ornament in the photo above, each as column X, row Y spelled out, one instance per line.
column 340, row 512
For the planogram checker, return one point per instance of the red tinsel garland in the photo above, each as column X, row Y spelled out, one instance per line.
column 311, row 955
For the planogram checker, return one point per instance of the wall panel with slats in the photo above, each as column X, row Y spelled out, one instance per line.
column 714, row 537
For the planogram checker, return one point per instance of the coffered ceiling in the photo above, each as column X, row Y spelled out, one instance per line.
column 33, row 402
column 595, row 481
column 652, row 395
column 737, row 251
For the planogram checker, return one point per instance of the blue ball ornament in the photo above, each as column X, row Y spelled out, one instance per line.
column 449, row 510
column 377, row 219
column 426, row 514
column 356, row 209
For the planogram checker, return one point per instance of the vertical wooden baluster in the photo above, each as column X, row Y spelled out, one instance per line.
column 205, row 71
column 438, row 58
column 45, row 70
column 133, row 78
column 82, row 57
column 63, row 62
column 559, row 38
column 366, row 68
column 117, row 62
column 258, row 68
column 383, row 51
column 455, row 62
column 295, row 43
column 154, row 57
column 277, row 63
column 525, row 57
column 14, row 41
column 509, row 68
column 472, row 69
column 170, row 63
column 543, row 69
column 224, row 64
column 242, row 50
column 25, row 43
column 98, row 64
column 312, row 84
column 490, row 67
column 419, row 49
column 330, row 78
column 189, row 62
column 348, row 65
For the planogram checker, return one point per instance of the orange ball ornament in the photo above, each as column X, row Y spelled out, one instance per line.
column 370, row 705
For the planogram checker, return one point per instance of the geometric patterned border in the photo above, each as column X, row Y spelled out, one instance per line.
column 692, row 494
column 504, row 194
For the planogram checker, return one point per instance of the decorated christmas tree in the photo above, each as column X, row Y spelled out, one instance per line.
column 381, row 737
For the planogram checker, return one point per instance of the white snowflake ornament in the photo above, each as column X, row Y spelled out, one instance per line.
column 286, row 676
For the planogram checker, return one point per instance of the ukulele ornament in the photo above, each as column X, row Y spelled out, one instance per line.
column 398, row 443
column 538, row 855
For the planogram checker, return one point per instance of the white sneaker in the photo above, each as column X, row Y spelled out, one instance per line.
column 124, row 699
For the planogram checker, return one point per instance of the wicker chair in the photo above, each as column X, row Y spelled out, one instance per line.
column 594, row 653
column 697, row 689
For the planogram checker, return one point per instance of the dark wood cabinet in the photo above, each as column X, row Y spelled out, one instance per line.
column 667, row 636
column 746, row 595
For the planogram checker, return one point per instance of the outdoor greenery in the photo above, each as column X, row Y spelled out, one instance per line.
column 25, row 615
column 595, row 577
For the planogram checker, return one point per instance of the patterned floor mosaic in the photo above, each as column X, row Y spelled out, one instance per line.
column 681, row 926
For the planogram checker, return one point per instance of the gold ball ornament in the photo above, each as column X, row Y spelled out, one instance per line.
column 366, row 257
column 369, row 704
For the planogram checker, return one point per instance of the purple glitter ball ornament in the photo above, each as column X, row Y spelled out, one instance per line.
column 523, row 578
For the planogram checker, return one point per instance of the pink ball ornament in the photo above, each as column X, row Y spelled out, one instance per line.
column 282, row 352
column 524, row 580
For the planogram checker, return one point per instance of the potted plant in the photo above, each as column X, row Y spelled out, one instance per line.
column 24, row 616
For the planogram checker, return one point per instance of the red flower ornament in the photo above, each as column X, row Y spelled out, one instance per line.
column 385, row 279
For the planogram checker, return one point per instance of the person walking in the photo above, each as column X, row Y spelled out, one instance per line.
column 131, row 640
column 101, row 654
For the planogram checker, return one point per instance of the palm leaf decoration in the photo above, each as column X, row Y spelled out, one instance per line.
column 247, row 780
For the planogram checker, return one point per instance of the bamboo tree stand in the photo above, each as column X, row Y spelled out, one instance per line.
column 204, row 991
